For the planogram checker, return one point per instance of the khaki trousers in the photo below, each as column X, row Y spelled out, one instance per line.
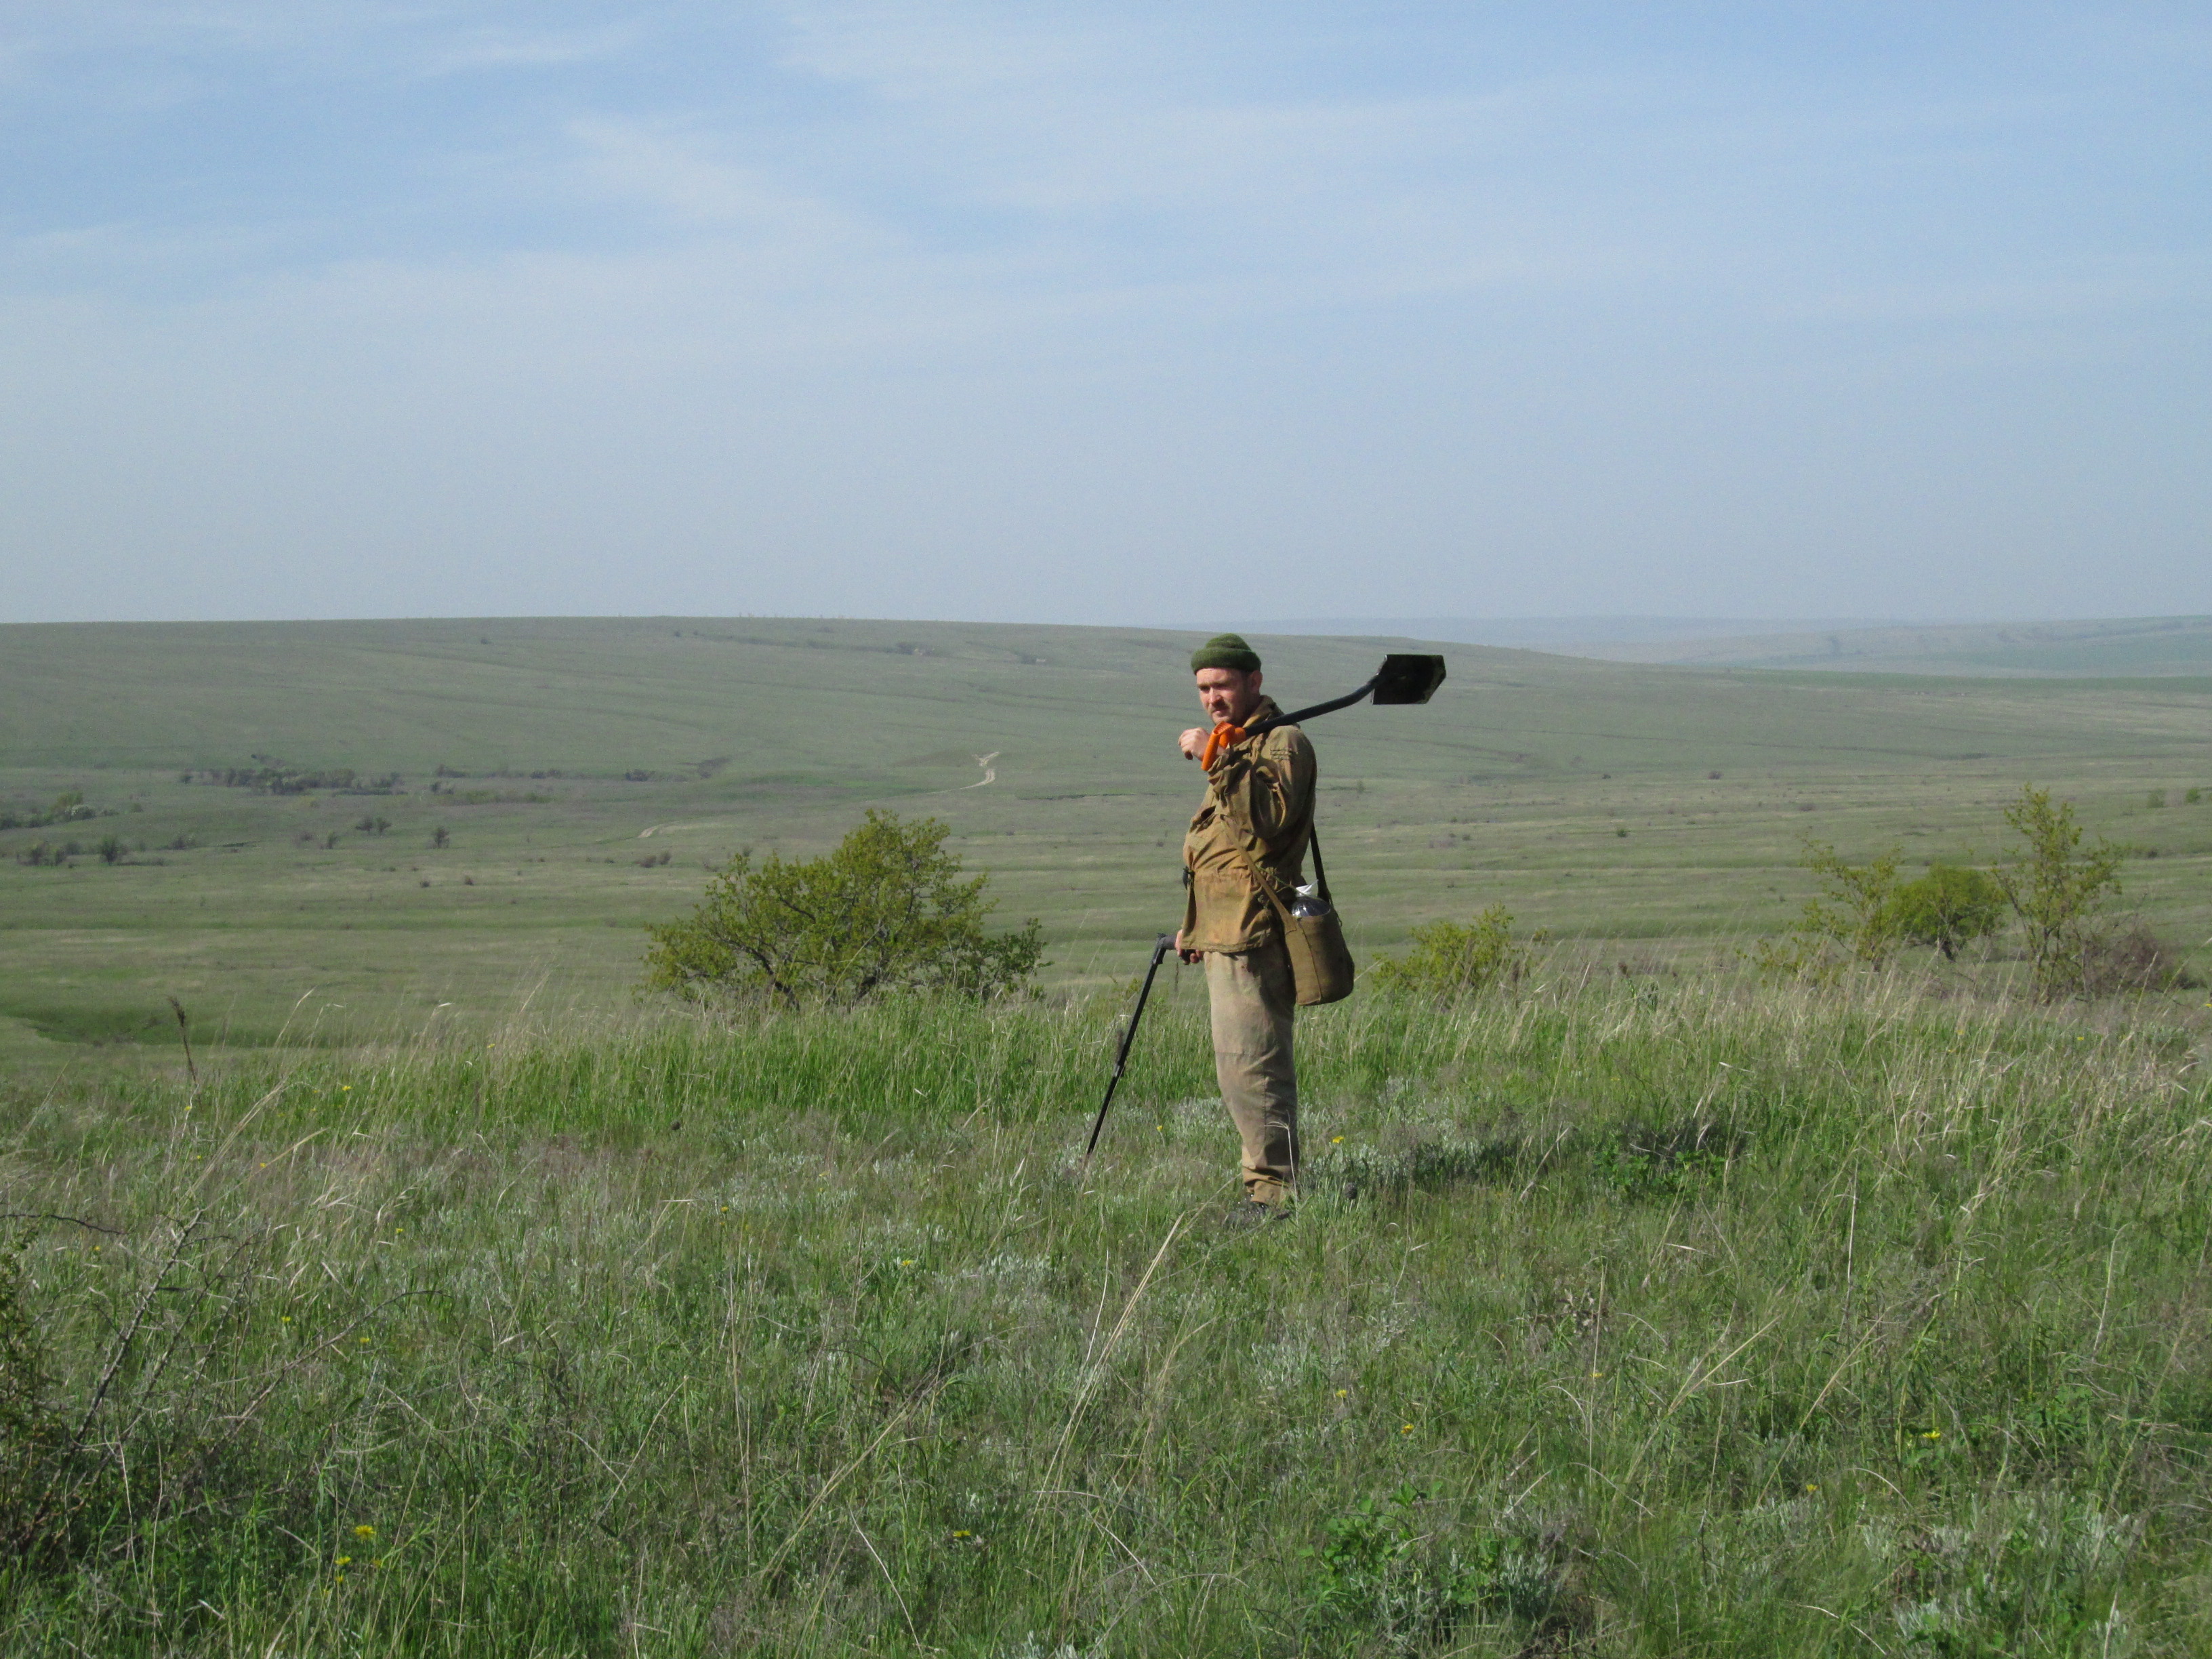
column 1252, row 999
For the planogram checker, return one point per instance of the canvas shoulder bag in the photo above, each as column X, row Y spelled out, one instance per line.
column 1321, row 962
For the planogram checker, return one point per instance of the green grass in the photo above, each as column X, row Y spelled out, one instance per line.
column 1511, row 788
column 1620, row 1318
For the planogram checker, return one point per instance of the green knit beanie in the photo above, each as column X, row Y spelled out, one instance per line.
column 1225, row 651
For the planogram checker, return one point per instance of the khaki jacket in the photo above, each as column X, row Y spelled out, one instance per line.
column 1260, row 796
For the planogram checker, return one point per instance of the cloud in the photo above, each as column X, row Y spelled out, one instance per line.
column 485, row 48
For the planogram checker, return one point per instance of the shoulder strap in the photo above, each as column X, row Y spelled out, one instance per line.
column 1268, row 885
column 1271, row 887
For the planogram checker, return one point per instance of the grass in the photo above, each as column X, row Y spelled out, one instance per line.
column 1620, row 1318
column 588, row 747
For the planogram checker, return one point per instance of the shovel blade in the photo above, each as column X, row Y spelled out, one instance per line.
column 1408, row 677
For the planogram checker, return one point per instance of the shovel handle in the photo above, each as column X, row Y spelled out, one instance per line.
column 1328, row 708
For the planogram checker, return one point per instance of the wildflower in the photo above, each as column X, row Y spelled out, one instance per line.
column 1336, row 1140
column 345, row 1088
column 345, row 1560
column 1343, row 1393
column 1595, row 1376
column 1408, row 1429
column 364, row 1341
column 1933, row 1434
column 287, row 1319
column 1811, row 1486
column 364, row 1532
column 963, row 1534
column 906, row 1261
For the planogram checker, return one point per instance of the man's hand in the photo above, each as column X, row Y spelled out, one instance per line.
column 1193, row 742
column 1182, row 954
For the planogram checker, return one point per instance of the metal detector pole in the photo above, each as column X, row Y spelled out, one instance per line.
column 1164, row 944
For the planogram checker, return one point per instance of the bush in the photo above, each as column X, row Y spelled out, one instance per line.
column 1380, row 1575
column 2056, row 886
column 2133, row 959
column 1459, row 959
column 1854, row 921
column 1948, row 908
column 887, row 911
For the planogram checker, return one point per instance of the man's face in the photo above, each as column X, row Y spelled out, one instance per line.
column 1228, row 694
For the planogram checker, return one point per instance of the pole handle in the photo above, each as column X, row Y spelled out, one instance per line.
column 1161, row 947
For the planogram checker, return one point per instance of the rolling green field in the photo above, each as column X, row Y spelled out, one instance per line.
column 594, row 770
column 455, row 1303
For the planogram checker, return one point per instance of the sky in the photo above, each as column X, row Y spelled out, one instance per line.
column 1120, row 312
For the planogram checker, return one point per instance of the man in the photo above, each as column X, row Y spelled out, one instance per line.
column 1254, row 823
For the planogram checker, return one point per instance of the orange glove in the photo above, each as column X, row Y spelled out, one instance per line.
column 1222, row 738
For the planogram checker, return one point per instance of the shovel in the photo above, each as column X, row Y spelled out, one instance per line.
column 1404, row 677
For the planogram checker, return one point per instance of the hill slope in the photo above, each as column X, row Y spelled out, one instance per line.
column 2140, row 646
column 587, row 772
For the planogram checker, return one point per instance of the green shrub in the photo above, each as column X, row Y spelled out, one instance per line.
column 2056, row 885
column 886, row 911
column 1948, row 908
column 1854, row 922
column 1459, row 959
column 1380, row 1573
